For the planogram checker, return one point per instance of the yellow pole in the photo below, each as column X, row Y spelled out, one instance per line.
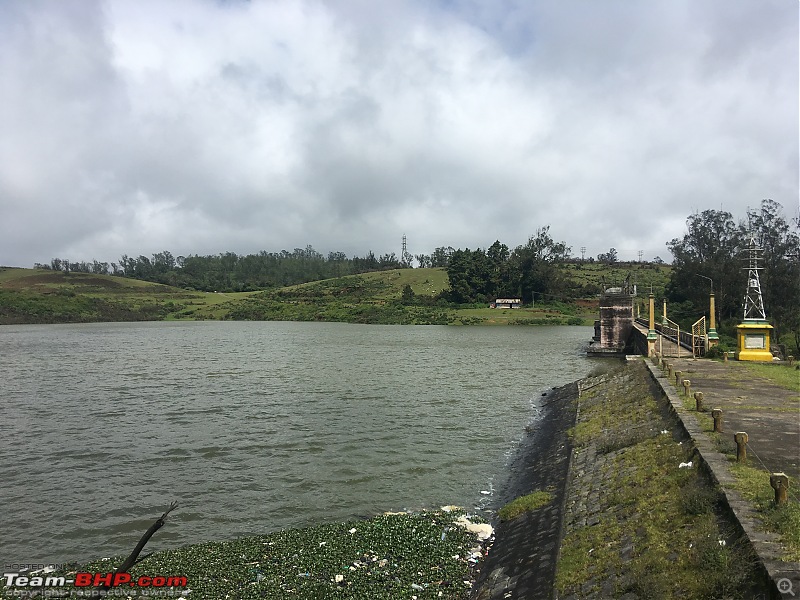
column 713, row 337
column 713, row 321
column 651, row 334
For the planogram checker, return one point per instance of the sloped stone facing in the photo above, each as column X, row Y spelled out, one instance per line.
column 522, row 560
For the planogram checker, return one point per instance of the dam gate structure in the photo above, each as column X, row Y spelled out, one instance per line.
column 613, row 331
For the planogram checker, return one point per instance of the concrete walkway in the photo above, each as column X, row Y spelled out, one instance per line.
column 769, row 414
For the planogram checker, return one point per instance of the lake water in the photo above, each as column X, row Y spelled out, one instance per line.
column 255, row 426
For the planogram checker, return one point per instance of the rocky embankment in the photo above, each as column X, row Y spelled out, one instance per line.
column 631, row 515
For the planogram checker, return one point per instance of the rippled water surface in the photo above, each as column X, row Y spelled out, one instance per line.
column 254, row 427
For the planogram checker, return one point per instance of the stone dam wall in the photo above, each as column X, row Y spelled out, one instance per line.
column 602, row 449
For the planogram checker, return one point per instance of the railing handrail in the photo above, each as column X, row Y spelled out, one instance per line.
column 685, row 336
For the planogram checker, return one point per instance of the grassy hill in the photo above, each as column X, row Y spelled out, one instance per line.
column 42, row 296
column 593, row 275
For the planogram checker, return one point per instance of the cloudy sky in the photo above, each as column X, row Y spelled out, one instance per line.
column 204, row 126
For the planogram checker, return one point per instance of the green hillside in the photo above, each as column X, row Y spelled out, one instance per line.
column 43, row 296
column 591, row 276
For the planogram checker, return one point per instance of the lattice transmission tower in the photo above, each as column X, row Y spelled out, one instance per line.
column 753, row 300
column 405, row 257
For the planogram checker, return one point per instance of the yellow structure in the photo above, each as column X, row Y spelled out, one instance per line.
column 651, row 333
column 753, row 333
column 753, row 341
column 713, row 336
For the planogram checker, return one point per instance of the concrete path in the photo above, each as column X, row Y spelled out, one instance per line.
column 769, row 414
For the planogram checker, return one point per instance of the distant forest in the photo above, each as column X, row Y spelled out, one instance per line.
column 476, row 276
column 229, row 272
column 710, row 253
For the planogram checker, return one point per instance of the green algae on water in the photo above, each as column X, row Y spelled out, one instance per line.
column 427, row 555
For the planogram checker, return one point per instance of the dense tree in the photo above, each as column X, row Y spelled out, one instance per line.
column 389, row 261
column 441, row 256
column 609, row 257
column 424, row 260
column 715, row 247
column 465, row 286
column 709, row 248
column 479, row 276
column 499, row 269
column 407, row 297
column 780, row 279
column 534, row 267
column 230, row 272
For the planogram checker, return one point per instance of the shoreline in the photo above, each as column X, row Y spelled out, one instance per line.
column 524, row 553
column 467, row 563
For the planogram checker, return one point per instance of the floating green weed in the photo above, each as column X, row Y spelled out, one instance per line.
column 391, row 556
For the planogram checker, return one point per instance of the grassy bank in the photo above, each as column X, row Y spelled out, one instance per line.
column 658, row 529
column 36, row 296
column 40, row 296
column 424, row 555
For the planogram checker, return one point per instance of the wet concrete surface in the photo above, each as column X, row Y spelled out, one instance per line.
column 521, row 562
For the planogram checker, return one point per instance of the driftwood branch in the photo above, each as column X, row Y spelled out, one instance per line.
column 132, row 558
column 128, row 562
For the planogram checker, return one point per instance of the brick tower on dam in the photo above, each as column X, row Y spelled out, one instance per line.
column 612, row 332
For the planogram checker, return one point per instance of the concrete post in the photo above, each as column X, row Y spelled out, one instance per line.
column 791, row 360
column 678, row 378
column 698, row 398
column 713, row 337
column 741, row 446
column 687, row 387
column 780, row 483
column 717, row 414
column 651, row 333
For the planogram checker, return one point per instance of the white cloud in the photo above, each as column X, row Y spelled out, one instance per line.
column 202, row 127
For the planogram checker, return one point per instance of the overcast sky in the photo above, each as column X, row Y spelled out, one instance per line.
column 201, row 126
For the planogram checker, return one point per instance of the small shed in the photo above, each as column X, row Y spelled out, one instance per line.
column 506, row 303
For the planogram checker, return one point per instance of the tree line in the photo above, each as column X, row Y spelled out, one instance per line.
column 229, row 272
column 714, row 248
column 498, row 272
column 713, row 253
